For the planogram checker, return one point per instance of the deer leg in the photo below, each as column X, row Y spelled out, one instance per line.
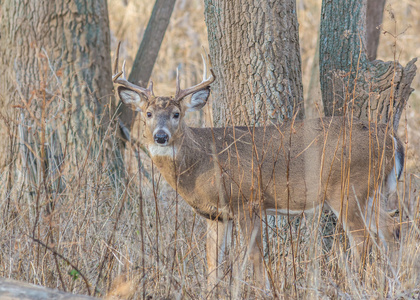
column 354, row 225
column 381, row 225
column 215, row 244
column 366, row 219
column 384, row 228
column 251, row 231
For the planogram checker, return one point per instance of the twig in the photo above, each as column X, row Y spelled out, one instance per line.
column 65, row 259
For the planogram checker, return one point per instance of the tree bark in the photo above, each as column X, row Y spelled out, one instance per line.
column 56, row 66
column 254, row 49
column 58, row 47
column 349, row 82
column 374, row 16
column 147, row 54
column 56, row 70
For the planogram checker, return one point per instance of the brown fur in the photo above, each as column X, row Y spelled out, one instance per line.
column 236, row 173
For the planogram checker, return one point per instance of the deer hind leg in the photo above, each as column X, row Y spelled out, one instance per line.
column 353, row 224
column 382, row 226
column 251, row 231
column 363, row 219
column 217, row 235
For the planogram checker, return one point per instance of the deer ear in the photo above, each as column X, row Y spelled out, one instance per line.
column 197, row 100
column 131, row 98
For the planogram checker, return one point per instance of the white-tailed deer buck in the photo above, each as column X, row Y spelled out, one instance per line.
column 241, row 173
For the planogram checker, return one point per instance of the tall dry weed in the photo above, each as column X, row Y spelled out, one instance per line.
column 143, row 240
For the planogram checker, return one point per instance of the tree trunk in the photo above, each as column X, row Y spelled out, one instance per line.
column 255, row 54
column 147, row 54
column 349, row 82
column 374, row 16
column 56, row 68
column 59, row 47
column 56, row 71
column 254, row 49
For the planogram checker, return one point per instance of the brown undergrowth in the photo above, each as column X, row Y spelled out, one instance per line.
column 70, row 229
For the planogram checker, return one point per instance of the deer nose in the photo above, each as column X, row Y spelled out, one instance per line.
column 161, row 137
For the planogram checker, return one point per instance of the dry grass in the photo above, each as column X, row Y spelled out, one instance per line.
column 144, row 239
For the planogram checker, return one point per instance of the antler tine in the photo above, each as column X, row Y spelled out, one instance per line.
column 203, row 57
column 122, row 80
column 117, row 53
column 180, row 94
column 150, row 88
column 178, row 87
column 205, row 67
column 123, row 70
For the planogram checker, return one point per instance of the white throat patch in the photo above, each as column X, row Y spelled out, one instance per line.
column 156, row 150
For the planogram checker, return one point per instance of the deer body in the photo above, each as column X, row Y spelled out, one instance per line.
column 242, row 173
column 249, row 159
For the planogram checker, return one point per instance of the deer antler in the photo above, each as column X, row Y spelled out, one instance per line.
column 116, row 78
column 204, row 84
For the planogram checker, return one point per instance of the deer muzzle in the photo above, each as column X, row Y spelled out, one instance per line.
column 161, row 137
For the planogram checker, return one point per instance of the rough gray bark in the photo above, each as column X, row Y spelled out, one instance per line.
column 374, row 16
column 350, row 83
column 62, row 48
column 254, row 48
column 11, row 289
column 147, row 54
column 56, row 66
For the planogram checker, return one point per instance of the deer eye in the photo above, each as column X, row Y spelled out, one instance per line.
column 176, row 115
column 149, row 114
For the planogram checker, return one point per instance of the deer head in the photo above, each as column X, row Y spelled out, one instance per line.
column 163, row 115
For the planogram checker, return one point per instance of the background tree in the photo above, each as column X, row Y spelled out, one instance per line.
column 349, row 81
column 55, row 58
column 56, row 47
column 55, row 85
column 374, row 17
column 255, row 53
